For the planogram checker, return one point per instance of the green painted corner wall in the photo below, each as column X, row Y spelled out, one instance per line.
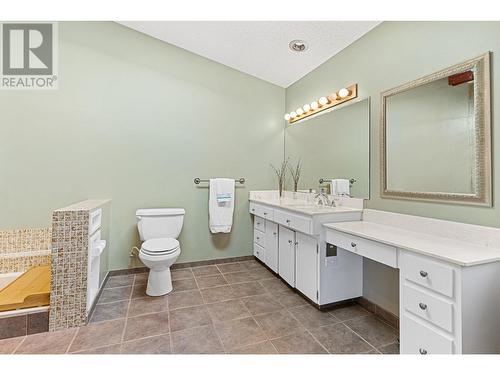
column 135, row 120
column 391, row 54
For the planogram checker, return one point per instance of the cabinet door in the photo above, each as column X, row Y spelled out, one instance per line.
column 306, row 266
column 286, row 255
column 272, row 245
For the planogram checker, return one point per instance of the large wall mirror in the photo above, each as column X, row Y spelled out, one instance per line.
column 333, row 145
column 435, row 136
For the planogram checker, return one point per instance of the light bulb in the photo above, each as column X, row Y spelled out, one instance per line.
column 314, row 105
column 287, row 116
column 343, row 92
column 323, row 100
column 306, row 108
column 333, row 96
column 299, row 111
column 293, row 114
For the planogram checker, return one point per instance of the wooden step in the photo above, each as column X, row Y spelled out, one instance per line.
column 31, row 289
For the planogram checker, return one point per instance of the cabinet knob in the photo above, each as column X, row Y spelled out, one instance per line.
column 422, row 351
column 265, row 213
column 290, row 242
column 274, row 233
column 288, row 221
column 253, row 209
column 258, row 238
column 423, row 273
column 353, row 244
column 296, row 243
column 422, row 305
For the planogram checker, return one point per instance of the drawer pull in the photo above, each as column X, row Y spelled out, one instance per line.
column 422, row 351
column 422, row 305
column 274, row 233
column 288, row 221
column 353, row 244
column 265, row 213
column 423, row 273
column 290, row 242
column 253, row 209
column 258, row 238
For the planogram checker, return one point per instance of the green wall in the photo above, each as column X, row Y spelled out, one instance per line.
column 391, row 54
column 135, row 120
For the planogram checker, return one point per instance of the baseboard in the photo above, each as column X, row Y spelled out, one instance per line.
column 380, row 312
column 129, row 271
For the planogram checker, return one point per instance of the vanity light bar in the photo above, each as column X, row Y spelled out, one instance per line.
column 325, row 102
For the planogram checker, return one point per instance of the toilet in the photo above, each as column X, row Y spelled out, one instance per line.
column 159, row 228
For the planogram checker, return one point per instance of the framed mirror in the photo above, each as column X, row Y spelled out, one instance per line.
column 436, row 136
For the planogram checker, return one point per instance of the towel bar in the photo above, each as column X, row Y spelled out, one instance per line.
column 197, row 180
column 323, row 180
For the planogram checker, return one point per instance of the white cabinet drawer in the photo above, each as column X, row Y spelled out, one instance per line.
column 300, row 223
column 261, row 211
column 370, row 249
column 425, row 272
column 259, row 252
column 428, row 307
column 259, row 224
column 259, row 238
column 419, row 339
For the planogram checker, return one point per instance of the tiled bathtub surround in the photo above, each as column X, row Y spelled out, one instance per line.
column 21, row 249
column 24, row 324
column 238, row 308
column 70, row 231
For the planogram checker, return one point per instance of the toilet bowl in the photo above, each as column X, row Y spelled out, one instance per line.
column 159, row 228
column 158, row 255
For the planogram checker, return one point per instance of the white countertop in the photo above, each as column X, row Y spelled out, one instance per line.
column 304, row 208
column 451, row 250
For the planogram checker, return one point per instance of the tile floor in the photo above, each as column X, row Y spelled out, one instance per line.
column 238, row 308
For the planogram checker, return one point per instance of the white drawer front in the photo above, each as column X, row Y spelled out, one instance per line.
column 259, row 238
column 259, row 252
column 261, row 210
column 428, row 307
column 419, row 339
column 428, row 273
column 259, row 224
column 370, row 249
column 300, row 223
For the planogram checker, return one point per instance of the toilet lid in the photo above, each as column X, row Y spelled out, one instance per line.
column 160, row 245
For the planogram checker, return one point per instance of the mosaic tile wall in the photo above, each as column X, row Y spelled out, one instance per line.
column 69, row 269
column 21, row 249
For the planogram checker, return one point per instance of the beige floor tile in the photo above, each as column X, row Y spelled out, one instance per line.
column 261, row 348
column 205, row 282
column 184, row 284
column 241, row 332
column 373, row 330
column 115, row 294
column 247, row 289
column 110, row 349
column 242, row 277
column 338, row 339
column 274, row 286
column 218, row 294
column 182, row 273
column 290, row 299
column 310, row 317
column 262, row 304
column 390, row 348
column 188, row 298
column 206, row 270
column 231, row 267
column 300, row 343
column 199, row 340
column 98, row 335
column 47, row 343
column 189, row 317
column 7, row 346
column 278, row 324
column 148, row 305
column 343, row 313
column 148, row 345
column 146, row 325
column 109, row 311
column 227, row 310
column 119, row 281
column 141, row 278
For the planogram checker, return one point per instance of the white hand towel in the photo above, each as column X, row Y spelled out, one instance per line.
column 333, row 187
column 343, row 187
column 221, row 205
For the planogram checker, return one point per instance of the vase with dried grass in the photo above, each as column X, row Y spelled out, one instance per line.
column 295, row 173
column 281, row 174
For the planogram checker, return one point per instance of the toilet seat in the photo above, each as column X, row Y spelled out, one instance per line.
column 160, row 246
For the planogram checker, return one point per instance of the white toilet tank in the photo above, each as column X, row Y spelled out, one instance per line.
column 159, row 222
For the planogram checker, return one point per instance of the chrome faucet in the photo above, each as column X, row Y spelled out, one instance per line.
column 322, row 198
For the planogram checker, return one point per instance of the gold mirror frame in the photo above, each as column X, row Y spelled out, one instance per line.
column 482, row 124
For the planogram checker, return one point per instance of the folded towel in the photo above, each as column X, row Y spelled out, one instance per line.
column 342, row 187
column 333, row 187
column 221, row 205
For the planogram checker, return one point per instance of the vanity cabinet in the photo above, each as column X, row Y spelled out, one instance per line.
column 286, row 258
column 292, row 245
column 448, row 288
